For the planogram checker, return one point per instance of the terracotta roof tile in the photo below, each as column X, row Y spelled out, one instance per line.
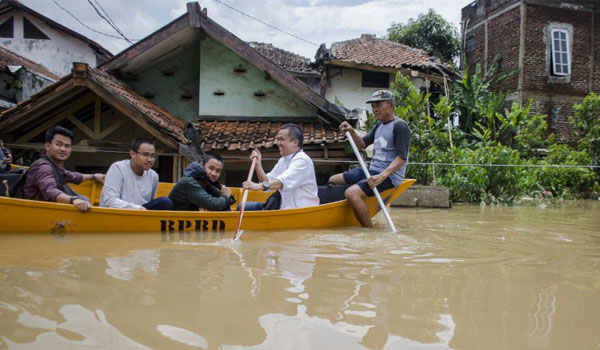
column 9, row 58
column 285, row 59
column 173, row 126
column 381, row 53
column 234, row 135
column 163, row 121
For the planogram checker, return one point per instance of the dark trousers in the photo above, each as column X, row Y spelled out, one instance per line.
column 160, row 203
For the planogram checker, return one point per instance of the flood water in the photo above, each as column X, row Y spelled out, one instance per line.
column 469, row 277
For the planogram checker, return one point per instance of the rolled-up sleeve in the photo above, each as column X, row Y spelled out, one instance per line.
column 295, row 174
column 72, row 176
column 46, row 183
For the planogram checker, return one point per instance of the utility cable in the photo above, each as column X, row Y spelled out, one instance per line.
column 105, row 13
column 509, row 165
column 114, row 26
column 16, row 145
column 265, row 23
column 85, row 25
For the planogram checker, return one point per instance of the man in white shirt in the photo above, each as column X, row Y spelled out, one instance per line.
column 131, row 183
column 293, row 175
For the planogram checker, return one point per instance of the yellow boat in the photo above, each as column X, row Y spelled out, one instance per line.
column 21, row 215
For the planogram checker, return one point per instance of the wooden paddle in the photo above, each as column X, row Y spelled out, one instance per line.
column 244, row 198
column 368, row 175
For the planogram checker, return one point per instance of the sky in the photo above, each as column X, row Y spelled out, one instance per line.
column 312, row 22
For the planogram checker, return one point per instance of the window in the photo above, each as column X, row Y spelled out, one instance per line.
column 375, row 79
column 30, row 31
column 471, row 44
column 6, row 29
column 561, row 63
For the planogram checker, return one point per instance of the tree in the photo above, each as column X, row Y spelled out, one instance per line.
column 429, row 32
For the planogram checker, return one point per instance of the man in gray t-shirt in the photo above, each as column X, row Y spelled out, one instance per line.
column 391, row 139
column 131, row 183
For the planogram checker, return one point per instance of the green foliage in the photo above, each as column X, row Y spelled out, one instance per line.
column 475, row 100
column 430, row 32
column 525, row 141
column 489, row 184
column 371, row 121
column 559, row 182
column 587, row 126
column 532, row 137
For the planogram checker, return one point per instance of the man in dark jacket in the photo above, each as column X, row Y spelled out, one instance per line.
column 199, row 189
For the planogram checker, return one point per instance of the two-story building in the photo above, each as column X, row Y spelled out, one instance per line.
column 44, row 41
column 20, row 78
column 554, row 43
column 352, row 70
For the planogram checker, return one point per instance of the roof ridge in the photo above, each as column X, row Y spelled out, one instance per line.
column 276, row 48
column 34, row 66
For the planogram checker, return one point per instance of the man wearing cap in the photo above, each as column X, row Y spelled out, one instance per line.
column 391, row 139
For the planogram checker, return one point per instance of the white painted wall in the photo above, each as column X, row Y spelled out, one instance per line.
column 347, row 88
column 56, row 54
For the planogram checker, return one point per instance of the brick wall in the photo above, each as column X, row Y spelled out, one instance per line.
column 596, row 82
column 504, row 38
column 557, row 116
column 536, row 61
column 476, row 53
column 553, row 96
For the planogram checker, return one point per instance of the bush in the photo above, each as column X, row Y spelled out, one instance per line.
column 565, row 183
column 587, row 127
column 489, row 184
column 434, row 140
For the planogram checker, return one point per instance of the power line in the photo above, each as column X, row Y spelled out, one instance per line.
column 85, row 25
column 105, row 13
column 265, row 23
column 509, row 165
column 110, row 23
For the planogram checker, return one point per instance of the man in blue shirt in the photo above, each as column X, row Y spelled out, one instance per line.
column 391, row 139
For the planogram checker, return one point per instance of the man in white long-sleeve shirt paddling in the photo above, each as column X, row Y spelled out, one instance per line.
column 293, row 177
column 131, row 183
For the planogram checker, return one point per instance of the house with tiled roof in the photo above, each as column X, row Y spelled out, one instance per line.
column 353, row 69
column 103, row 114
column 194, row 87
column 20, row 78
column 299, row 66
column 40, row 39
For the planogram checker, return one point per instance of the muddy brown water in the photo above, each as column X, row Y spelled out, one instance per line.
column 466, row 278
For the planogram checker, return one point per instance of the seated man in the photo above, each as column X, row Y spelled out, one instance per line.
column 391, row 139
column 5, row 158
column 293, row 176
column 47, row 178
column 131, row 183
column 199, row 189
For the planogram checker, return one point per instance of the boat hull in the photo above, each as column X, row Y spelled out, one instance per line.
column 19, row 215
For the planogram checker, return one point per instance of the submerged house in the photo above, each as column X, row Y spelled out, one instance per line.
column 20, row 78
column 352, row 70
column 44, row 41
column 191, row 79
column 554, row 44
column 298, row 66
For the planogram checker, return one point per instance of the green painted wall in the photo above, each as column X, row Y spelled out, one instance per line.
column 173, row 81
column 217, row 75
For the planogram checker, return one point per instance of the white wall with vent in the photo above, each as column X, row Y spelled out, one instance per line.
column 57, row 53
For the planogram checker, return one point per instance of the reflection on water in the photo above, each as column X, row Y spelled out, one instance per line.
column 467, row 278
